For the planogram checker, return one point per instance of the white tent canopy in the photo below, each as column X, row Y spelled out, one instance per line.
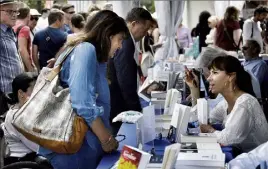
column 169, row 15
column 220, row 6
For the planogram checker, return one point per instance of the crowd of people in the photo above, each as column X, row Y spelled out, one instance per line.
column 103, row 73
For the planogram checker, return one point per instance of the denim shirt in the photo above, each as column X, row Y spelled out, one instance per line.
column 89, row 91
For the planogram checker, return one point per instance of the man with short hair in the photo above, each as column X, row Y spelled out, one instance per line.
column 10, row 62
column 258, row 67
column 123, row 67
column 68, row 10
column 23, row 32
column 48, row 42
column 252, row 28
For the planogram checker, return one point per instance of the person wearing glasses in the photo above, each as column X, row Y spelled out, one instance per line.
column 33, row 22
column 258, row 67
column 10, row 62
column 68, row 13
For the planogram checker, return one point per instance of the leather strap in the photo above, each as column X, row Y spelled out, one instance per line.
column 230, row 38
column 56, row 70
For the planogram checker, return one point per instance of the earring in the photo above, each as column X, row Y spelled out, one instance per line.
column 225, row 84
column 234, row 88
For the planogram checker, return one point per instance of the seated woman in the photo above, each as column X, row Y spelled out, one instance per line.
column 21, row 149
column 240, row 113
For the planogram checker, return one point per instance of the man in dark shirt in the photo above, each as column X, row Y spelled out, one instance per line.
column 123, row 69
column 49, row 41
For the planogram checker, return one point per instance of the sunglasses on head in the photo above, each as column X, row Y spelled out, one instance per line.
column 34, row 18
column 72, row 12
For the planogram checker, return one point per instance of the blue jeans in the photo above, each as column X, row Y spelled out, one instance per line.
column 85, row 158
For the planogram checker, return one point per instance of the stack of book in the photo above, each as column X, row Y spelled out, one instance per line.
column 200, row 156
column 133, row 158
column 158, row 99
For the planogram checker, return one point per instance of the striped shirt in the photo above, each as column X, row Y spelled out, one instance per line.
column 10, row 61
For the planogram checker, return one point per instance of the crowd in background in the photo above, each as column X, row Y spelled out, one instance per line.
column 105, row 48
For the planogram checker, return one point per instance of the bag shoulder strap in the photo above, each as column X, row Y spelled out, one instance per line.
column 229, row 37
column 252, row 29
column 56, row 70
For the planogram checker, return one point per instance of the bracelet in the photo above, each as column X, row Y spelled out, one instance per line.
column 110, row 138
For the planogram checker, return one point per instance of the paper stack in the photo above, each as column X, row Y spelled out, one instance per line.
column 170, row 155
column 158, row 99
column 200, row 138
column 202, row 110
column 201, row 156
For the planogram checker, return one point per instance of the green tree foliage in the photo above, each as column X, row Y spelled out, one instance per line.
column 149, row 5
column 35, row 4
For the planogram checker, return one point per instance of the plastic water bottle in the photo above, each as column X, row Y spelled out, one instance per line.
column 193, row 124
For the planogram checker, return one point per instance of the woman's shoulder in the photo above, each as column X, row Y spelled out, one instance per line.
column 86, row 45
column 247, row 100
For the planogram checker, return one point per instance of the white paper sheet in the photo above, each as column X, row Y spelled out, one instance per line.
column 147, row 124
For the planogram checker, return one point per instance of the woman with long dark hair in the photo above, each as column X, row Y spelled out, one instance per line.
column 84, row 73
column 240, row 113
column 202, row 29
column 21, row 149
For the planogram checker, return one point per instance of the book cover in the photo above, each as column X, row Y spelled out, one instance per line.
column 129, row 158
column 154, row 86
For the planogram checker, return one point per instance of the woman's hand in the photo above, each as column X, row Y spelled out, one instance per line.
column 109, row 145
column 206, row 128
column 51, row 63
column 191, row 79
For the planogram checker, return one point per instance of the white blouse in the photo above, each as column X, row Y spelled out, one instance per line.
column 245, row 125
column 252, row 159
column 18, row 145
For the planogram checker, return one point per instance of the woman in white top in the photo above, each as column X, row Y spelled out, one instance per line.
column 20, row 148
column 240, row 113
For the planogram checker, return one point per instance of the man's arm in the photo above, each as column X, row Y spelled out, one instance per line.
column 126, row 72
column 23, row 43
column 35, row 57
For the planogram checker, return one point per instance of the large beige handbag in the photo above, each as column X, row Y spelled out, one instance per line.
column 47, row 118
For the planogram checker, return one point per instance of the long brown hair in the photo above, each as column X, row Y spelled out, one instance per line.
column 231, row 13
column 98, row 31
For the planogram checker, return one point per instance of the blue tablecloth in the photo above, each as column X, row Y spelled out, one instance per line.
column 129, row 130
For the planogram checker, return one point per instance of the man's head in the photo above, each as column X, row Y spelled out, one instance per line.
column 55, row 18
column 34, row 18
column 260, row 13
column 24, row 14
column 138, row 22
column 45, row 12
column 8, row 12
column 207, row 55
column 251, row 49
column 68, row 11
